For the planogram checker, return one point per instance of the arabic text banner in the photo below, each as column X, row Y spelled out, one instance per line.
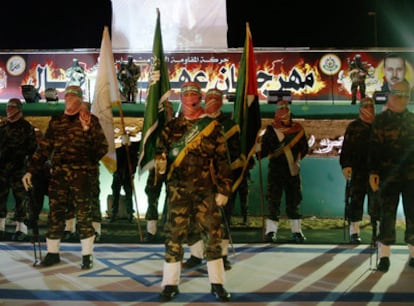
column 310, row 76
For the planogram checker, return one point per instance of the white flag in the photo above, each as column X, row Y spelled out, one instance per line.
column 106, row 96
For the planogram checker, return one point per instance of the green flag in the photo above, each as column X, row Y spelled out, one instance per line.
column 155, row 115
column 246, row 105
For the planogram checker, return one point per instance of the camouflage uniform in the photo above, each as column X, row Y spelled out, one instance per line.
column 95, row 200
column 234, row 150
column 191, row 189
column 213, row 104
column 192, row 151
column 354, row 154
column 73, row 152
column 70, row 233
column 392, row 158
column 17, row 144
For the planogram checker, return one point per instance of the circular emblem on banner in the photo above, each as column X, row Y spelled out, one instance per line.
column 330, row 64
column 16, row 65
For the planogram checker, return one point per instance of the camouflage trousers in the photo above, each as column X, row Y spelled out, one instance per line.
column 13, row 182
column 69, row 188
column 95, row 191
column 195, row 212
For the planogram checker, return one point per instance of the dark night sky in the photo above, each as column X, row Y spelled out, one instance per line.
column 47, row 24
column 323, row 24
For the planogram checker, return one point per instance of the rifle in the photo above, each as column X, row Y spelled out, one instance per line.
column 33, row 211
column 347, row 211
column 223, row 214
column 227, row 226
column 374, row 202
column 373, row 210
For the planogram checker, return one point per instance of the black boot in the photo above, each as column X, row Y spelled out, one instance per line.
column 113, row 217
column 384, row 264
column 68, row 236
column 50, row 259
column 244, row 212
column 226, row 263
column 298, row 238
column 271, row 237
column 19, row 236
column 244, row 219
column 220, row 293
column 169, row 293
column 192, row 262
column 97, row 237
column 149, row 238
column 355, row 239
column 115, row 204
column 87, row 262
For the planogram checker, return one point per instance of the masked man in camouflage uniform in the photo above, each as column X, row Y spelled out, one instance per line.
column 75, row 143
column 17, row 144
column 353, row 161
column 192, row 151
column 70, row 234
column 391, row 165
column 285, row 144
column 214, row 102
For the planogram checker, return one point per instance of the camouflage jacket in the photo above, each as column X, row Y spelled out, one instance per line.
column 66, row 143
column 204, row 166
column 17, row 144
column 354, row 152
column 391, row 152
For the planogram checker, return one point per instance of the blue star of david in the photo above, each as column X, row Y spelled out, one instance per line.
column 119, row 267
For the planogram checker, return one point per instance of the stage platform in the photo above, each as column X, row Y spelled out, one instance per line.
column 305, row 110
column 262, row 274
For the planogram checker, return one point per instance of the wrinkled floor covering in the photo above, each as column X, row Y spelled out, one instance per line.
column 262, row 274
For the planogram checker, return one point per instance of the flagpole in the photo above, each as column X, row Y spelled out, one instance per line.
column 159, row 89
column 121, row 115
column 261, row 195
column 257, row 149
